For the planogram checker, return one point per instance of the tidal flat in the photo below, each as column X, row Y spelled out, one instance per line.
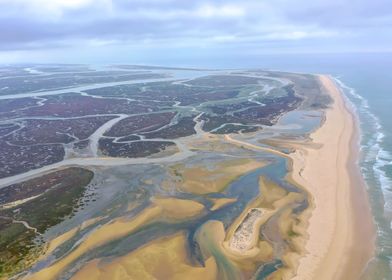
column 180, row 173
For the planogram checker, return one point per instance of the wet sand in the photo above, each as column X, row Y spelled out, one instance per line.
column 167, row 208
column 221, row 202
column 161, row 259
column 202, row 180
column 340, row 228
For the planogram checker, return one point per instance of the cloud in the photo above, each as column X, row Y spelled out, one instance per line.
column 49, row 10
column 229, row 10
column 235, row 25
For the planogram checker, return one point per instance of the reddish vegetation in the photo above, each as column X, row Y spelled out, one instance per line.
column 19, row 159
column 8, row 105
column 16, row 85
column 273, row 108
column 73, row 104
column 224, row 81
column 55, row 131
column 141, row 123
column 7, row 128
column 184, row 127
column 27, row 144
column 166, row 92
column 132, row 149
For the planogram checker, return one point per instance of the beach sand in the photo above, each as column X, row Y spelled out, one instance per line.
column 340, row 228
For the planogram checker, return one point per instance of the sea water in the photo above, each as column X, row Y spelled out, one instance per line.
column 371, row 93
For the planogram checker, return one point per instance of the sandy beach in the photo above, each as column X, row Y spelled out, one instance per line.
column 340, row 228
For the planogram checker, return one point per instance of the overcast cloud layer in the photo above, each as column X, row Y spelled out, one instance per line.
column 106, row 30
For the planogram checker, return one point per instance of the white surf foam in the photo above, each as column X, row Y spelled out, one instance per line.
column 374, row 154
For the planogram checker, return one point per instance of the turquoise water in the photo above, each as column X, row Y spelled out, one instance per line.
column 372, row 96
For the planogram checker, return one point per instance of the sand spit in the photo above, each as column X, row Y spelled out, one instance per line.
column 255, row 147
column 243, row 237
column 221, row 202
column 340, row 232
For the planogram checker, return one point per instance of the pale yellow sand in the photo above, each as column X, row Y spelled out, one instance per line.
column 221, row 202
column 120, row 227
column 175, row 208
column 273, row 200
column 61, row 239
column 165, row 258
column 341, row 235
column 255, row 147
column 201, row 180
column 108, row 232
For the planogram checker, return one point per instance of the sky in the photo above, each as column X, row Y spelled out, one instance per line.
column 183, row 32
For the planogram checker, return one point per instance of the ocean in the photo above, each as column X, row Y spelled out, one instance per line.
column 366, row 80
column 370, row 91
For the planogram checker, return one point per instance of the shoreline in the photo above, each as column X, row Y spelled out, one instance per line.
column 340, row 216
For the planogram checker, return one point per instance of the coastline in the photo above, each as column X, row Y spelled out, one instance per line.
column 340, row 215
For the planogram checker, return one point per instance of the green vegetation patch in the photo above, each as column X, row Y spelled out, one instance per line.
column 21, row 227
